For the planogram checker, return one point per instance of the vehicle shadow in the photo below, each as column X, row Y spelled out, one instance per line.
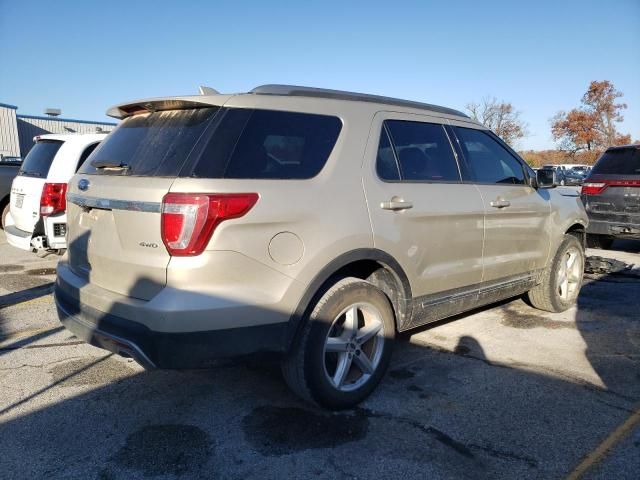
column 441, row 413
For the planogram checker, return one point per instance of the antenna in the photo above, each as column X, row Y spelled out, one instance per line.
column 208, row 91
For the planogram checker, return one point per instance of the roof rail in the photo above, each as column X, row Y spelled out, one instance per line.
column 295, row 90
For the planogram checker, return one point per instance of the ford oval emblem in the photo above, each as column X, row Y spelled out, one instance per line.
column 83, row 184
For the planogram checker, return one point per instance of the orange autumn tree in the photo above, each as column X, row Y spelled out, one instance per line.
column 592, row 126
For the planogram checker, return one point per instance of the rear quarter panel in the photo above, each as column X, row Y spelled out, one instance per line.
column 297, row 227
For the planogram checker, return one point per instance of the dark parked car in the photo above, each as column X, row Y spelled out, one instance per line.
column 611, row 196
column 573, row 177
column 9, row 167
column 560, row 173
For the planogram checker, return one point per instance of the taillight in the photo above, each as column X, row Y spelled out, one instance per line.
column 189, row 219
column 53, row 199
column 593, row 188
column 596, row 188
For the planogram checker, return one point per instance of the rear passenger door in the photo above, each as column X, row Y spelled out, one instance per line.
column 516, row 214
column 422, row 213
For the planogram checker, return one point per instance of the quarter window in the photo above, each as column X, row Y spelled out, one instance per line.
column 489, row 161
column 422, row 152
column 257, row 144
column 386, row 164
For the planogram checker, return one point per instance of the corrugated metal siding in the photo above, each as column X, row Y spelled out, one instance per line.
column 9, row 144
column 29, row 127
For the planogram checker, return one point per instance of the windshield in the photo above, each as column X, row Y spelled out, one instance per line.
column 150, row 144
column 39, row 158
column 619, row 161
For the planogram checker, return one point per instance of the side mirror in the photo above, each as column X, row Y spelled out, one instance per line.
column 546, row 178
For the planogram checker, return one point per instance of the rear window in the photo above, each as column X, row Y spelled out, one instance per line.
column 620, row 161
column 39, row 158
column 262, row 144
column 150, row 144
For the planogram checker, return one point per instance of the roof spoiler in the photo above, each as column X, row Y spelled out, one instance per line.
column 154, row 105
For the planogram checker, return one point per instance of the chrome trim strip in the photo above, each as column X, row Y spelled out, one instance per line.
column 110, row 204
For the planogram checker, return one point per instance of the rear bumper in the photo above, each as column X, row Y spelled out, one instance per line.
column 134, row 328
column 161, row 349
column 18, row 238
column 614, row 229
column 56, row 225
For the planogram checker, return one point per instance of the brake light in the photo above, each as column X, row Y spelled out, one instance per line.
column 53, row 199
column 189, row 219
column 596, row 188
column 593, row 188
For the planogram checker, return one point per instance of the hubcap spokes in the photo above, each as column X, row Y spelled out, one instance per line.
column 569, row 275
column 353, row 346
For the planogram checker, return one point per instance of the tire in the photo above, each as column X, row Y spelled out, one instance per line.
column 553, row 294
column 599, row 241
column 316, row 374
column 5, row 212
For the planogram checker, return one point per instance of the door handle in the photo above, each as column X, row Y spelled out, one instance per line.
column 395, row 204
column 500, row 203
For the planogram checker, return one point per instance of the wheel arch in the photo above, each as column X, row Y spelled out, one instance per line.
column 578, row 230
column 4, row 201
column 370, row 264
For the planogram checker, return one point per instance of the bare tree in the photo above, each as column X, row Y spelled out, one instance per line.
column 500, row 117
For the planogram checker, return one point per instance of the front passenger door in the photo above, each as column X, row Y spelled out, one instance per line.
column 516, row 239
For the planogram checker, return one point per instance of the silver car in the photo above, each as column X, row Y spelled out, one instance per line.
column 313, row 223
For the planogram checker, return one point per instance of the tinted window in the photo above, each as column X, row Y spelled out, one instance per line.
column 85, row 154
column 151, row 144
column 39, row 158
column 424, row 152
column 386, row 164
column 621, row 161
column 269, row 144
column 489, row 161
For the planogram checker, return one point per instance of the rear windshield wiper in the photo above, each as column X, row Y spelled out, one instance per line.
column 30, row 174
column 109, row 165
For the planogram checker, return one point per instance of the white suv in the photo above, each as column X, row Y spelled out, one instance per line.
column 38, row 219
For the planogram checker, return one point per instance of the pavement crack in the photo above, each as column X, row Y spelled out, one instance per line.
column 46, row 345
column 504, row 454
column 617, row 407
column 42, row 365
column 439, row 435
column 447, row 440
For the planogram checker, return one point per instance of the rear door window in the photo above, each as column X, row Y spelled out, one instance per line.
column 489, row 161
column 423, row 153
column 39, row 158
column 262, row 144
column 619, row 161
column 150, row 144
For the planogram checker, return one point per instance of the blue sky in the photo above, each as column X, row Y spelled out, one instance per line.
column 85, row 56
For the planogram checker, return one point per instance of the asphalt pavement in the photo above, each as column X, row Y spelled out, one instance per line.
column 503, row 392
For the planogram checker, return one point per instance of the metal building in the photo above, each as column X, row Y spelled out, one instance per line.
column 17, row 131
